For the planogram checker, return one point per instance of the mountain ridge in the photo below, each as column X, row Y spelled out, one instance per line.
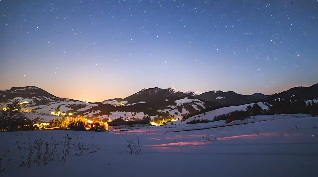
column 148, row 102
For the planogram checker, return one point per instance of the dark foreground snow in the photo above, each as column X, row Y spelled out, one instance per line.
column 281, row 147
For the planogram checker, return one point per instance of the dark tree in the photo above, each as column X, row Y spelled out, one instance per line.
column 249, row 109
column 13, row 120
column 256, row 109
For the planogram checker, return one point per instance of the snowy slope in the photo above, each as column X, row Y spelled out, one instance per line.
column 44, row 118
column 210, row 115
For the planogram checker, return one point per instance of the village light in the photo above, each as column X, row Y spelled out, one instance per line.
column 153, row 123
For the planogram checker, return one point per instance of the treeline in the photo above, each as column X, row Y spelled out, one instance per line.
column 204, row 111
column 242, row 114
column 13, row 120
column 235, row 115
column 293, row 106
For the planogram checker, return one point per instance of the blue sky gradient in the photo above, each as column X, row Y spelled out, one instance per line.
column 96, row 49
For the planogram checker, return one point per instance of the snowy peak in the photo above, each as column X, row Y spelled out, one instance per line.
column 194, row 93
column 172, row 89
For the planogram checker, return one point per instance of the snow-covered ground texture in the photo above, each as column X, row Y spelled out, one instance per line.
column 284, row 145
column 44, row 118
column 177, row 109
column 312, row 101
column 50, row 105
column 225, row 110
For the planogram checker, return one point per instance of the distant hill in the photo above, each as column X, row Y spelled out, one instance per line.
column 146, row 103
column 257, row 96
column 303, row 93
column 226, row 98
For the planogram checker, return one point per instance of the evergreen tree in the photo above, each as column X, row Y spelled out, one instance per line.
column 249, row 109
column 256, row 109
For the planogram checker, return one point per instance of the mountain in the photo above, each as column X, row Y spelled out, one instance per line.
column 149, row 102
column 193, row 93
column 301, row 93
column 257, row 96
column 229, row 98
column 146, row 103
column 40, row 96
column 154, row 95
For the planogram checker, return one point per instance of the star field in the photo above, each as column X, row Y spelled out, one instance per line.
column 99, row 49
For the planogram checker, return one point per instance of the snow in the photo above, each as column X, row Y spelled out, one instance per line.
column 111, row 102
column 196, row 107
column 88, row 106
column 44, row 118
column 63, row 108
column 219, row 97
column 131, row 104
column 19, row 89
column 185, row 100
column 194, row 92
column 197, row 93
column 103, row 116
column 90, row 114
column 269, row 148
column 200, row 104
column 225, row 110
column 313, row 100
column 172, row 106
column 126, row 115
column 116, row 103
column 124, row 102
column 173, row 89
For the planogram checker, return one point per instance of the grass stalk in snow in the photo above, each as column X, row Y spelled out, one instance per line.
column 20, row 148
column 2, row 157
column 30, row 155
column 66, row 148
column 134, row 149
column 38, row 146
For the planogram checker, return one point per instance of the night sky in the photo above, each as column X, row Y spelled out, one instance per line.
column 100, row 49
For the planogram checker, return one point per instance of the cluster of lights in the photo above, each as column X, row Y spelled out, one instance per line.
column 162, row 122
column 66, row 121
column 59, row 113
column 5, row 109
column 24, row 102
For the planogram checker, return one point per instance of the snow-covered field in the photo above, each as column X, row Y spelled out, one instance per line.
column 280, row 145
column 225, row 110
